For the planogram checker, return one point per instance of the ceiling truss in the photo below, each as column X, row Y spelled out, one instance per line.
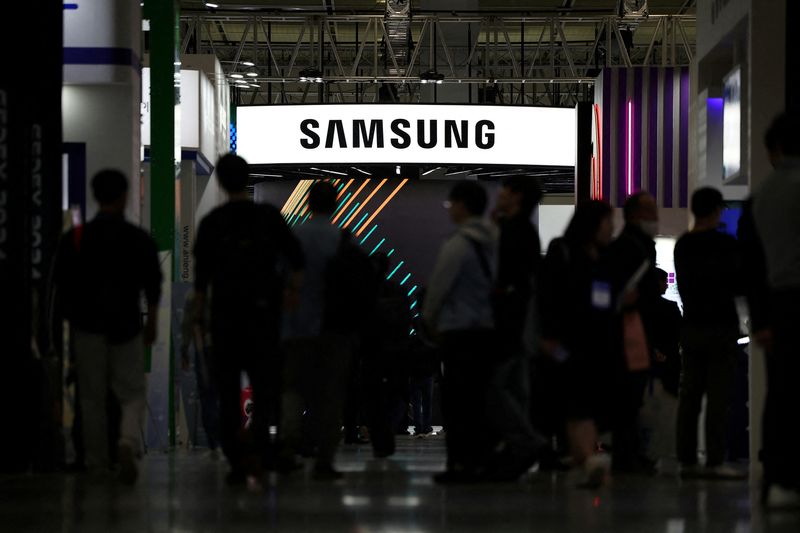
column 546, row 60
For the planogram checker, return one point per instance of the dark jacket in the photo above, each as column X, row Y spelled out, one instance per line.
column 519, row 263
column 102, row 270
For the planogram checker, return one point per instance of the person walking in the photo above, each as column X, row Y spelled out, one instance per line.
column 514, row 299
column 632, row 264
column 579, row 323
column 239, row 252
column 458, row 309
column 319, row 356
column 102, row 270
column 777, row 221
column 707, row 269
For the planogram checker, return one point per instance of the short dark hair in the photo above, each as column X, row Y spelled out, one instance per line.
column 109, row 185
column 633, row 204
column 705, row 201
column 528, row 187
column 472, row 195
column 783, row 134
column 233, row 173
column 586, row 221
column 661, row 274
column 322, row 197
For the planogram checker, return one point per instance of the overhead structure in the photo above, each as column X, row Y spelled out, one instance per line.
column 532, row 59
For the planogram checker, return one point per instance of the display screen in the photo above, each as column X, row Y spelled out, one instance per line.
column 732, row 125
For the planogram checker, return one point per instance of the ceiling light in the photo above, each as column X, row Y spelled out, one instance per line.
column 397, row 170
column 310, row 75
column 248, row 63
column 212, row 6
column 237, row 76
column 431, row 77
column 431, row 170
column 255, row 85
column 362, row 171
column 253, row 73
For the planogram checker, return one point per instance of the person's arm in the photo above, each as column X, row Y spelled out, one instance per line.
column 152, row 290
column 445, row 271
column 290, row 247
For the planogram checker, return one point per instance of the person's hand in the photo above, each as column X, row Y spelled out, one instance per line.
column 150, row 332
column 630, row 298
column 763, row 338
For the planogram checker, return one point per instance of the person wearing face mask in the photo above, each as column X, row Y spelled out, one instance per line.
column 632, row 263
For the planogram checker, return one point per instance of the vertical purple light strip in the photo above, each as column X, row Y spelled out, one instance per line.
column 621, row 125
column 605, row 124
column 683, row 184
column 668, row 127
column 638, row 111
column 652, row 133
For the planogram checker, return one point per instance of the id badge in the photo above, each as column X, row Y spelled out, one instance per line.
column 601, row 295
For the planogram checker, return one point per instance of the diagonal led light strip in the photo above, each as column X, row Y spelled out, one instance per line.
column 350, row 201
column 300, row 200
column 341, row 192
column 388, row 199
column 367, row 200
column 291, row 203
column 284, row 209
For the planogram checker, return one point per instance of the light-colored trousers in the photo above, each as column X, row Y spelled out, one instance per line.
column 120, row 367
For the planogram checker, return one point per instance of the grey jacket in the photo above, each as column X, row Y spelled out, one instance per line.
column 777, row 216
column 459, row 291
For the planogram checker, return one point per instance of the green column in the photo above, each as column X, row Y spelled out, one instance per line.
column 164, row 146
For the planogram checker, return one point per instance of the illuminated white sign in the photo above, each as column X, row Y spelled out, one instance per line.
column 732, row 125
column 406, row 133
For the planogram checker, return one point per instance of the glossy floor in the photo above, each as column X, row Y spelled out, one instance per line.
column 185, row 492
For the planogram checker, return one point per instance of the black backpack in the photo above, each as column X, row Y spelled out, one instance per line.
column 351, row 288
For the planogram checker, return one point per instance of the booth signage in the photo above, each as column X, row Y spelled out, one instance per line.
column 406, row 133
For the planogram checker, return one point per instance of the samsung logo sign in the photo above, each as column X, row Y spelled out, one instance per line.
column 406, row 133
column 426, row 134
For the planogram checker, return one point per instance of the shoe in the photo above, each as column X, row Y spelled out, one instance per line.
column 357, row 439
column 326, row 473
column 779, row 497
column 724, row 472
column 128, row 471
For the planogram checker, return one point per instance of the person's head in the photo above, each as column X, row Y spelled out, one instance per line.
column 706, row 205
column 782, row 138
column 110, row 188
column 233, row 173
column 591, row 225
column 641, row 210
column 322, row 198
column 519, row 195
column 467, row 199
column 662, row 278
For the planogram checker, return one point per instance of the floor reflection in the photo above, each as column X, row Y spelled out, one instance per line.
column 186, row 492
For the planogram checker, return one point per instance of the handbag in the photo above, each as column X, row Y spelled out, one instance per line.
column 637, row 355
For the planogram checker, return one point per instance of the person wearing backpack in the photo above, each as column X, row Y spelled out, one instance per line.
column 457, row 308
column 239, row 250
column 320, row 334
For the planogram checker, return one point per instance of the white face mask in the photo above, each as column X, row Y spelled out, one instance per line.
column 650, row 227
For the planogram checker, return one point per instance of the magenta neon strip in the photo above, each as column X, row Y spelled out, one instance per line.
column 629, row 150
